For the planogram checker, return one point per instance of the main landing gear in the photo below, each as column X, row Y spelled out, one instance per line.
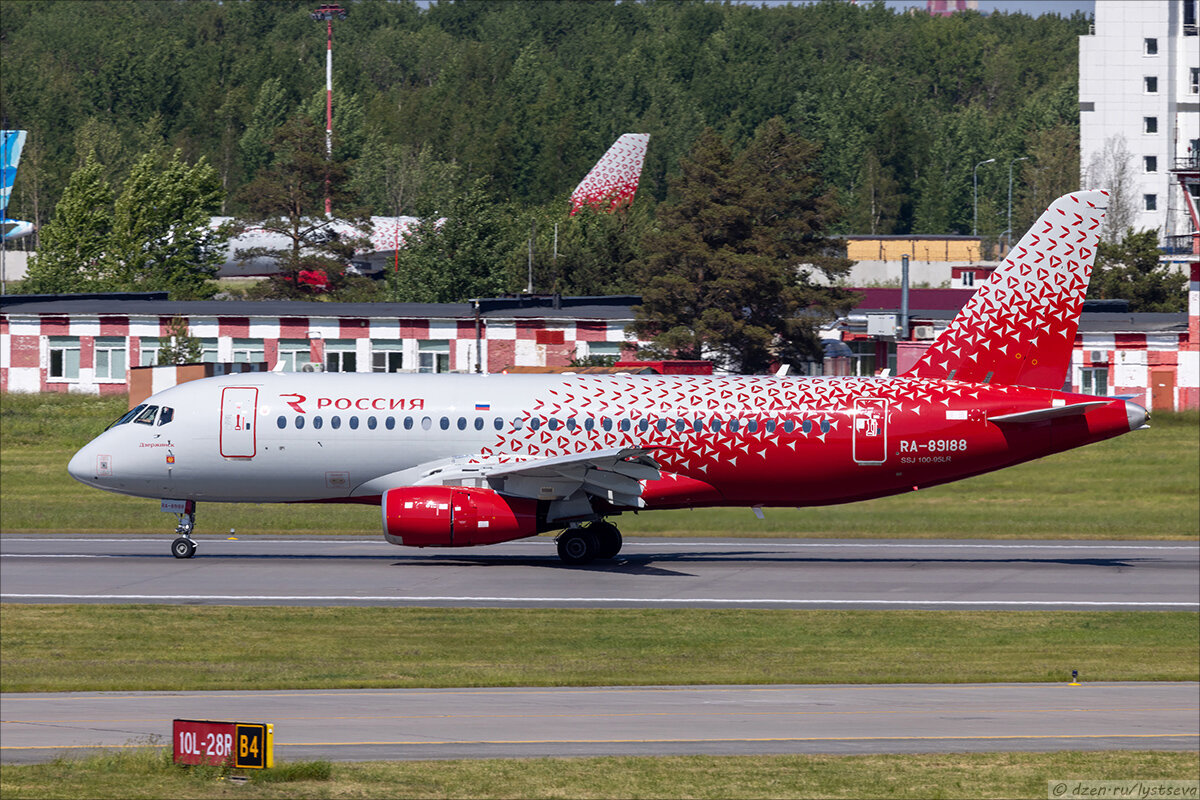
column 184, row 547
column 586, row 543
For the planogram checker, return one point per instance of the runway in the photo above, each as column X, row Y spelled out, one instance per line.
column 357, row 725
column 697, row 573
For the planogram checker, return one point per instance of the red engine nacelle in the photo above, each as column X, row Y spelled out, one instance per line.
column 453, row 516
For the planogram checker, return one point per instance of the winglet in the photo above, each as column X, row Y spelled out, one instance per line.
column 612, row 183
column 1019, row 328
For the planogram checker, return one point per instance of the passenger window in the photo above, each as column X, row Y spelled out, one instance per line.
column 281, row 422
column 589, row 424
column 769, row 425
column 299, row 423
column 698, row 425
column 552, row 424
column 680, row 424
column 390, row 423
column 824, row 426
column 624, row 425
column 479, row 423
column 462, row 423
column 643, row 425
column 354, row 423
column 571, row 424
column 408, row 424
column 518, row 424
column 752, row 426
column 426, row 423
column 335, row 422
column 534, row 424
column 498, row 423
column 147, row 415
column 444, row 423
column 168, row 414
column 661, row 425
column 606, row 423
column 789, row 425
column 715, row 426
column 806, row 426
column 733, row 425
column 317, row 422
column 372, row 423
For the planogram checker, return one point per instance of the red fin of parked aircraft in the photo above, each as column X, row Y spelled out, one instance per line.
column 614, row 180
column 1019, row 328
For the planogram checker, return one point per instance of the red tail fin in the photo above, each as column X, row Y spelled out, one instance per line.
column 614, row 180
column 1019, row 328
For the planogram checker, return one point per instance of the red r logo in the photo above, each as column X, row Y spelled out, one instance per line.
column 295, row 404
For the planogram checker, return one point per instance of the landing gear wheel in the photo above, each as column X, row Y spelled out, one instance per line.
column 608, row 539
column 577, row 546
column 183, row 547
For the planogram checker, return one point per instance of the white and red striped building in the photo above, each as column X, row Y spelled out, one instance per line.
column 66, row 344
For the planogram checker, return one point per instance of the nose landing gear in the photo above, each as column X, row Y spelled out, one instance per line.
column 184, row 547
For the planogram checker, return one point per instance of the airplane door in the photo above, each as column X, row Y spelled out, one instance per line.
column 462, row 518
column 870, row 431
column 238, row 421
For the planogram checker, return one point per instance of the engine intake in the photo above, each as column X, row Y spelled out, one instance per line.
column 455, row 516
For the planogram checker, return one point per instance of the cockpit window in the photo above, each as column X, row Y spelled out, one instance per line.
column 166, row 416
column 147, row 415
column 129, row 415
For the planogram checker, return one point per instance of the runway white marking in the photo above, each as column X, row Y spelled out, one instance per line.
column 640, row 600
column 660, row 545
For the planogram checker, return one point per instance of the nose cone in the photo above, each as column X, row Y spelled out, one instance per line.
column 82, row 466
column 1137, row 415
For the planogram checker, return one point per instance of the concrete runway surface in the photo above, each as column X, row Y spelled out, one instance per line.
column 670, row 573
column 355, row 725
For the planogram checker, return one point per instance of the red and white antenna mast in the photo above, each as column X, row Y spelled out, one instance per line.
column 328, row 12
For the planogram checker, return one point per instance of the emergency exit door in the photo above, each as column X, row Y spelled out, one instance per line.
column 870, row 431
column 238, row 421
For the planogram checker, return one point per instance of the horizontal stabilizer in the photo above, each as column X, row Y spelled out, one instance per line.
column 1047, row 413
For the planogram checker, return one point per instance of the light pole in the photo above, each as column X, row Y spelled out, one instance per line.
column 975, row 200
column 328, row 12
column 1008, row 233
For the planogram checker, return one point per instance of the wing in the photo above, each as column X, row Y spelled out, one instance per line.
column 569, row 482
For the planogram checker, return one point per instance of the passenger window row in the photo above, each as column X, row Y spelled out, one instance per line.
column 570, row 424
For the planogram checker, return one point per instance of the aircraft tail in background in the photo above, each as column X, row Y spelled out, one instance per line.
column 612, row 183
column 12, row 143
column 1019, row 328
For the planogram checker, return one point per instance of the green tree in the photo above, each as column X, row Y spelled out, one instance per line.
column 727, row 270
column 460, row 256
column 288, row 198
column 1130, row 270
column 161, row 238
column 73, row 248
column 179, row 346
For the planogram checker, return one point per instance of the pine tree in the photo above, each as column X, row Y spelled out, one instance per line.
column 1130, row 270
column 72, row 256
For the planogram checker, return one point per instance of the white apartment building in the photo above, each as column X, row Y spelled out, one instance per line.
column 1139, row 110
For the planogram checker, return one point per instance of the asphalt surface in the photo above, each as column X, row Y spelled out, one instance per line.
column 698, row 573
column 731, row 720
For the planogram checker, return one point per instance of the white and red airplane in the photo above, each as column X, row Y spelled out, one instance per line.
column 461, row 460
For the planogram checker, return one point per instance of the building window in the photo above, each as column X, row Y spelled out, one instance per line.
column 293, row 354
column 1150, row 82
column 341, row 355
column 1194, row 80
column 1150, row 124
column 64, row 358
column 387, row 355
column 433, row 355
column 1150, row 202
column 968, row 278
column 1150, row 163
column 1093, row 380
column 148, row 356
column 1150, row 47
column 1189, row 18
column 248, row 351
column 110, row 358
column 208, row 351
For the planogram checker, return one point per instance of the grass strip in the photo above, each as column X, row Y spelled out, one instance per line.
column 149, row 774
column 1142, row 486
column 62, row 648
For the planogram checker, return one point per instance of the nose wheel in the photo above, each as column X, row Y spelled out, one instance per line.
column 183, row 546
